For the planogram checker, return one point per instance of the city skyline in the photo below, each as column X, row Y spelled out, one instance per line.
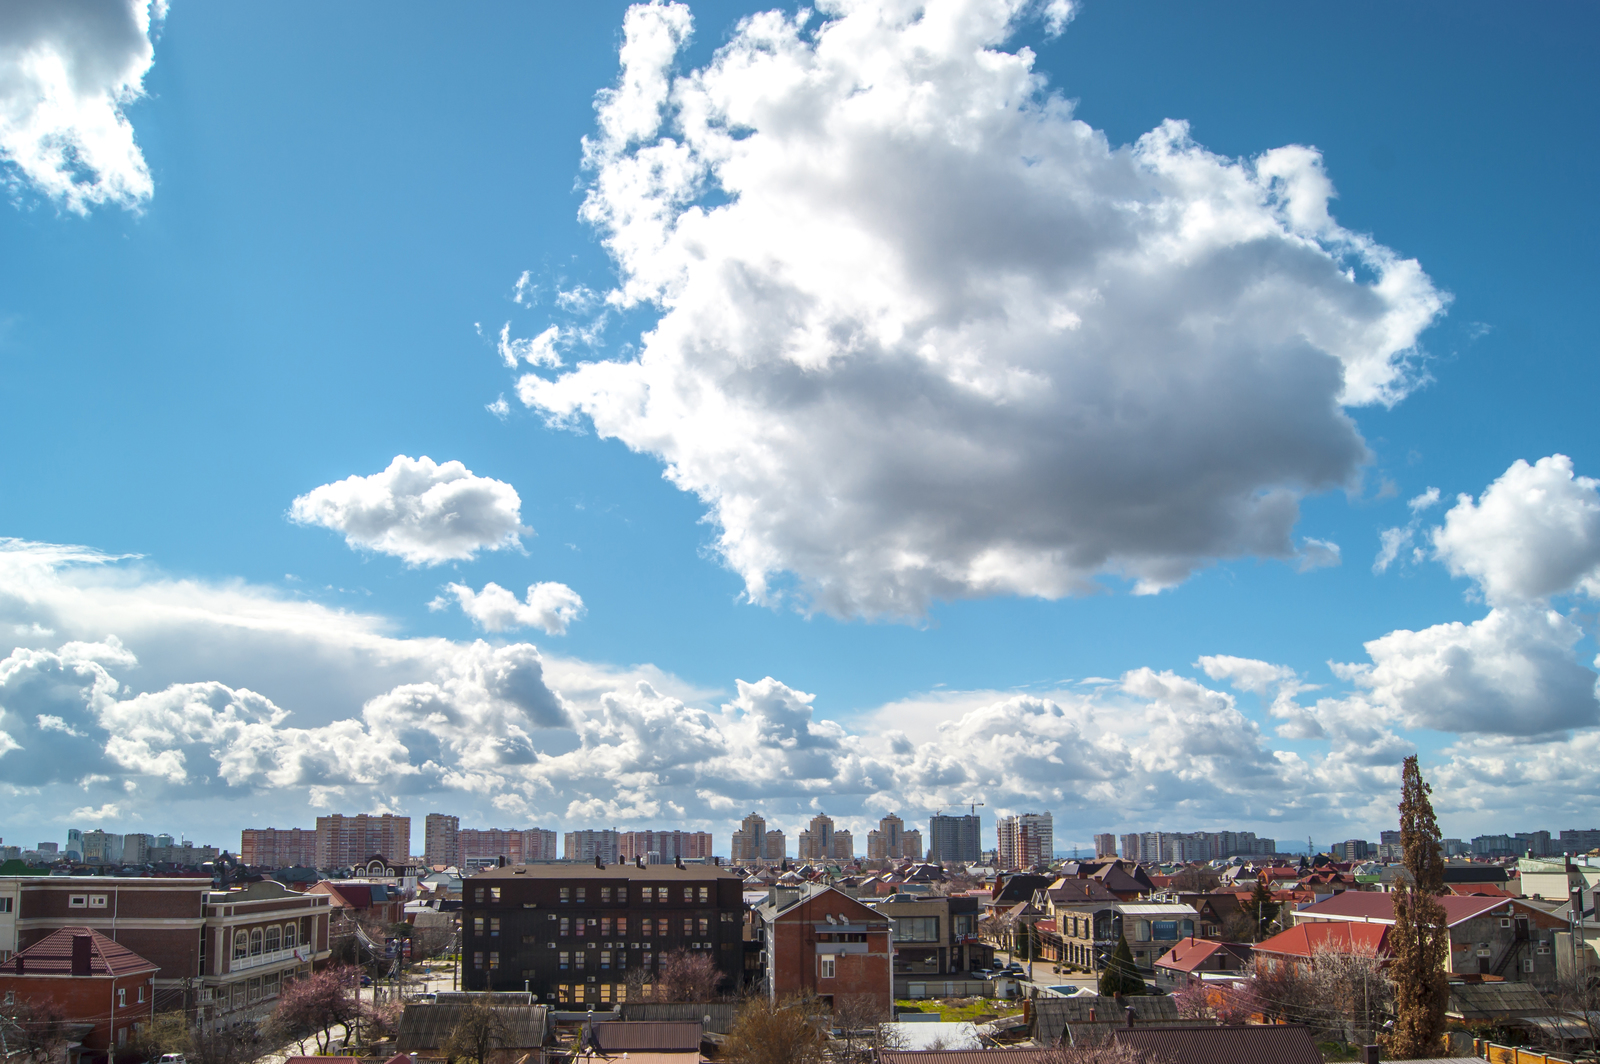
column 1145, row 446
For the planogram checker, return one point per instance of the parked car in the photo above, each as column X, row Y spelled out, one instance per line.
column 172, row 1058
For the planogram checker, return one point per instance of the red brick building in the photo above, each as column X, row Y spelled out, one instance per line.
column 191, row 933
column 91, row 979
column 820, row 940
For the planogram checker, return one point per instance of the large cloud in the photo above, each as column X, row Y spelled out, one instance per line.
column 216, row 702
column 67, row 70
column 1534, row 532
column 425, row 512
column 926, row 335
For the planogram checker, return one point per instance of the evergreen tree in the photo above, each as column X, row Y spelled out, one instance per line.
column 1120, row 976
column 1421, row 936
column 1263, row 910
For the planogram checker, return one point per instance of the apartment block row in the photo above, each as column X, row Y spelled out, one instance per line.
column 1183, row 847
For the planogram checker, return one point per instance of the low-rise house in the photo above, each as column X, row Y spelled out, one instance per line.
column 1151, row 928
column 1072, row 1021
column 92, row 981
column 1194, row 958
column 1505, row 937
column 821, row 941
column 256, row 940
column 934, row 935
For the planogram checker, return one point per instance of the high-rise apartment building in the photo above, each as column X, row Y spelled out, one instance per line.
column 102, row 847
column 1183, row 847
column 844, row 846
column 1578, row 840
column 343, row 841
column 450, row 844
column 278, row 847
column 666, row 847
column 955, row 839
column 891, row 841
column 754, row 844
column 592, row 845
column 1105, row 845
column 816, row 841
column 440, row 840
column 1027, row 840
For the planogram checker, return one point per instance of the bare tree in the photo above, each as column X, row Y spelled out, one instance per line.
column 791, row 1031
column 687, row 975
column 167, row 1032
column 33, row 1031
column 1099, row 1051
column 1352, row 992
column 313, row 1006
column 859, row 1020
column 479, row 1030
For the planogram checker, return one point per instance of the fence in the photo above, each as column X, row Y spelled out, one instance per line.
column 1499, row 1054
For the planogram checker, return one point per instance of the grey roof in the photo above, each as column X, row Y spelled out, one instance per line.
column 722, row 1013
column 1023, row 1055
column 427, row 1027
column 659, row 1036
column 1270, row 1044
column 1495, row 1001
column 1051, row 1015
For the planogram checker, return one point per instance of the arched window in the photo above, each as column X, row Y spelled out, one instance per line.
column 288, row 936
column 241, row 945
column 255, row 942
column 272, row 939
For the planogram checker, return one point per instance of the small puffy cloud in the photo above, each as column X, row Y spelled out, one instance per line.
column 538, row 351
column 925, row 335
column 1394, row 542
column 549, row 606
column 67, row 71
column 1317, row 554
column 418, row 510
column 1534, row 532
column 1246, row 674
column 499, row 408
column 1513, row 672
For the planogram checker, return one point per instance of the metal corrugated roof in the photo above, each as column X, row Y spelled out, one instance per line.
column 1052, row 1015
column 661, row 1036
column 1271, row 1044
column 721, row 1013
column 965, row 1056
column 424, row 1026
column 1145, row 909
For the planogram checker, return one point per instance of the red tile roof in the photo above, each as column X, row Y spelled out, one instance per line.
column 1378, row 906
column 1303, row 940
column 1190, row 953
column 52, row 955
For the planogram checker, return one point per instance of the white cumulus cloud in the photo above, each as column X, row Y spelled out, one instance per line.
column 424, row 512
column 68, row 68
column 925, row 335
column 1534, row 532
column 548, row 605
column 1513, row 672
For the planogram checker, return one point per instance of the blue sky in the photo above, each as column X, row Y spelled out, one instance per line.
column 340, row 205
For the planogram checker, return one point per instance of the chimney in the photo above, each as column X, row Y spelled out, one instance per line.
column 679, row 862
column 1091, row 1014
column 20, row 966
column 1369, row 1055
column 639, row 861
column 1131, row 1016
column 81, row 947
column 599, row 862
column 500, row 861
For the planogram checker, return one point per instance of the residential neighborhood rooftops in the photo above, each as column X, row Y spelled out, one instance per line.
column 660, row 1036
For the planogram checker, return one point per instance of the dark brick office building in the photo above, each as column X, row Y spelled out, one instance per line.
column 573, row 933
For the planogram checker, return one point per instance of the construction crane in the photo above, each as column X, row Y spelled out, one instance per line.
column 974, row 807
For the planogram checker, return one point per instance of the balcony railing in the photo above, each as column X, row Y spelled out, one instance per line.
column 277, row 956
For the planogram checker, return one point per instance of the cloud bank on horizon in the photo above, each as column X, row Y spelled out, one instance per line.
column 114, row 698
column 924, row 335
column 67, row 72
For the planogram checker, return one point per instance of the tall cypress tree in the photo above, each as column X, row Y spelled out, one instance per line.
column 1421, row 936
